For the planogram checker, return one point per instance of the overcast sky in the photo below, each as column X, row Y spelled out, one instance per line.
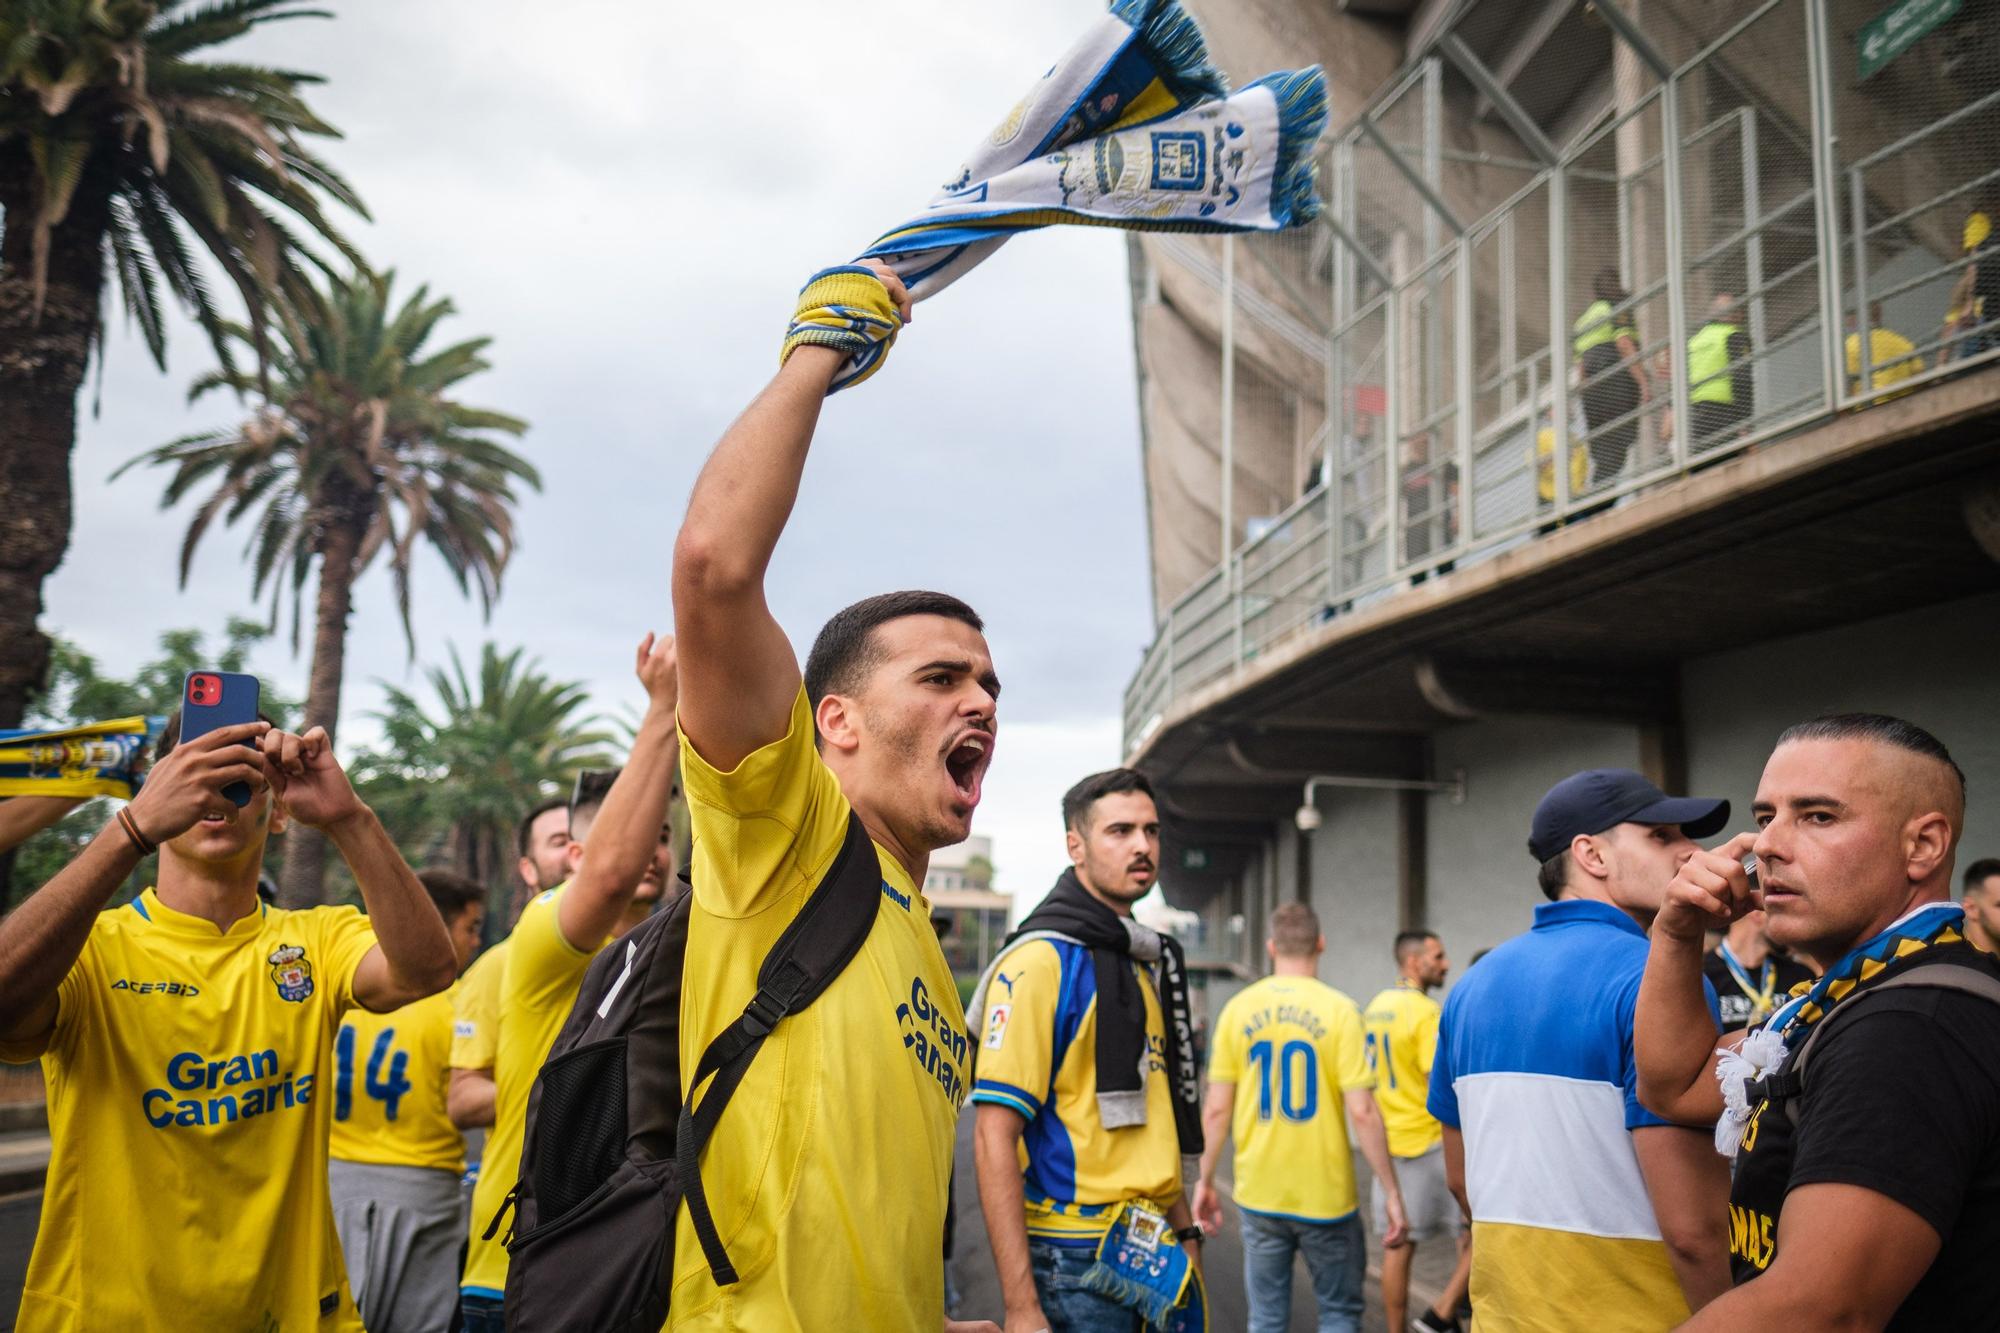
column 626, row 198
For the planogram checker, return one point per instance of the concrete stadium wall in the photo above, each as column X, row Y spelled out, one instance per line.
column 1938, row 667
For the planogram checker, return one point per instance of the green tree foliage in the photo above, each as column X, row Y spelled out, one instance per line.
column 452, row 777
column 362, row 450
column 129, row 155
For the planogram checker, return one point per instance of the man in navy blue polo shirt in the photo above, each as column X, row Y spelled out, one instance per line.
column 1588, row 1211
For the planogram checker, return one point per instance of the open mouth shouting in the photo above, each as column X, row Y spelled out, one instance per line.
column 965, row 761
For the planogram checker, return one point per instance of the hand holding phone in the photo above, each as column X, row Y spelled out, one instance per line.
column 211, row 700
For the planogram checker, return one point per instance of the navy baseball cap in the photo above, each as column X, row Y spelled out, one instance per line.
column 1600, row 798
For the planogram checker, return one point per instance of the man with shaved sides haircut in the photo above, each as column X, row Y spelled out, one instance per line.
column 830, row 1187
column 1981, row 900
column 1865, row 1115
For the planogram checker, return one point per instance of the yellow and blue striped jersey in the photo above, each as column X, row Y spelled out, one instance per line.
column 1402, row 1025
column 1038, row 1056
column 390, row 1075
column 1292, row 1046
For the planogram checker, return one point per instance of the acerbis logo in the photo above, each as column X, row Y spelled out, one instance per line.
column 184, row 989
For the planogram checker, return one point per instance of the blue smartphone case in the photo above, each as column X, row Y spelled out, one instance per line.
column 212, row 699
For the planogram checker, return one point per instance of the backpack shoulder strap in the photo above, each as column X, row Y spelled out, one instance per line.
column 813, row 950
column 1959, row 977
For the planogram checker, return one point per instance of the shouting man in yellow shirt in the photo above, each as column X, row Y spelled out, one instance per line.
column 1402, row 1025
column 397, row 1157
column 827, row 1175
column 187, row 1041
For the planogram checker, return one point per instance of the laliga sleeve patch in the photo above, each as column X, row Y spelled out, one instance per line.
column 464, row 1028
column 996, row 1026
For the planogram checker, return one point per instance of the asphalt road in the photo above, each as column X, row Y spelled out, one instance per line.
column 972, row 1267
column 18, row 1214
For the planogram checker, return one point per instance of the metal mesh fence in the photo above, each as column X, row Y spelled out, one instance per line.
column 1584, row 251
column 1916, row 158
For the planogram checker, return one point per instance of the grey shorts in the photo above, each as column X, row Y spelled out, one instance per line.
column 1426, row 1198
column 400, row 1228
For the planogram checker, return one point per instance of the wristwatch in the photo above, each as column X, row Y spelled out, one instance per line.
column 1193, row 1233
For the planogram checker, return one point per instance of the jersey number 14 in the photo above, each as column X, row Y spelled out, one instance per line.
column 388, row 1091
column 1294, row 1069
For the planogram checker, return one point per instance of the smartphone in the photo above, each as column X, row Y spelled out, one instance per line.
column 212, row 699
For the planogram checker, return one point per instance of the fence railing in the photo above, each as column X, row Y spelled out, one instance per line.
column 1471, row 349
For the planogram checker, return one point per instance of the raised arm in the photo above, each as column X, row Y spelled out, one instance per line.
column 412, row 956
column 739, row 675
column 626, row 831
column 40, row 939
column 1673, row 1037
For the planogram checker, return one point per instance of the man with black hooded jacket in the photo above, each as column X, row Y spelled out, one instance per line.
column 1086, row 1059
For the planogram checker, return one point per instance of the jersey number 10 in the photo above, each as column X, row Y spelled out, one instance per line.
column 389, row 1093
column 1295, row 1066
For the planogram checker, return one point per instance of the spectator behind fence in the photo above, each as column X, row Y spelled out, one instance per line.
column 397, row 1156
column 1972, row 324
column 1613, row 383
column 187, row 1040
column 1892, row 358
column 1865, row 1116
column 1722, row 395
column 1588, row 1211
column 1981, row 900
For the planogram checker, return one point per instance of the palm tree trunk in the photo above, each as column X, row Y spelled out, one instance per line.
column 304, row 881
column 42, row 363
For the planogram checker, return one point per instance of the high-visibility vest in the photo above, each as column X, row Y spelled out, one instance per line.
column 1708, row 364
column 1594, row 327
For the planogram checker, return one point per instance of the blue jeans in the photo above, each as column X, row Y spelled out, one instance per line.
column 1336, row 1257
column 479, row 1314
column 1070, row 1308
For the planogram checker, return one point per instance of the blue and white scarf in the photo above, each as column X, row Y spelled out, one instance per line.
column 1132, row 128
column 1763, row 1051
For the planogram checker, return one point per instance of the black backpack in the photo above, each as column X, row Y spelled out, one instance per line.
column 611, row 1151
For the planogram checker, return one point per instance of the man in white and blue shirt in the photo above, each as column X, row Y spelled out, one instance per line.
column 1588, row 1211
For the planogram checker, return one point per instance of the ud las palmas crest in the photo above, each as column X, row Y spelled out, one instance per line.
column 291, row 972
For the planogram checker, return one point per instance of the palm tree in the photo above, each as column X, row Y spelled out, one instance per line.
column 122, row 153
column 454, row 782
column 359, row 451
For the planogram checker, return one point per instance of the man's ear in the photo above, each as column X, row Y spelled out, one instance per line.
column 572, row 855
column 525, row 870
column 1073, row 841
column 1929, row 840
column 835, row 719
column 1588, row 856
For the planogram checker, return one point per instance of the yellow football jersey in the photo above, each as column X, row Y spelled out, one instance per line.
column 537, row 987
column 188, row 1075
column 1292, row 1046
column 475, row 1012
column 827, row 1174
column 1402, row 1025
column 1038, row 1055
column 390, row 1072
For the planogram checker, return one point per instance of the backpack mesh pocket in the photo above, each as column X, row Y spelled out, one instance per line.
column 582, row 1126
